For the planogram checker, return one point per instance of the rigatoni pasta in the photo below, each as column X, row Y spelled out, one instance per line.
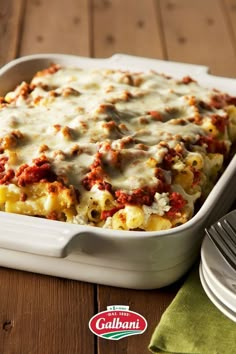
column 112, row 148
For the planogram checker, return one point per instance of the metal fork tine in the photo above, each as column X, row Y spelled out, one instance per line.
column 220, row 236
column 224, row 233
column 224, row 250
column 230, row 229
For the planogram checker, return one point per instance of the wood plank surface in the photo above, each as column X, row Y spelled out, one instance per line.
column 197, row 32
column 56, row 27
column 229, row 8
column 11, row 12
column 130, row 27
column 44, row 315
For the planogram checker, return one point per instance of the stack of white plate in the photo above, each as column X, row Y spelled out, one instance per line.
column 218, row 279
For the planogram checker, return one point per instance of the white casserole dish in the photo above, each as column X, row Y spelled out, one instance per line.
column 132, row 259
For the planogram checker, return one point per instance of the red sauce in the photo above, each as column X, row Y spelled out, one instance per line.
column 220, row 122
column 31, row 174
column 177, row 202
column 169, row 158
column 187, row 80
column 5, row 175
column 138, row 196
column 213, row 145
column 156, row 115
column 106, row 213
column 5, row 178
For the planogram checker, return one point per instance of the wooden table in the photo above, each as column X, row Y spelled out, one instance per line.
column 43, row 314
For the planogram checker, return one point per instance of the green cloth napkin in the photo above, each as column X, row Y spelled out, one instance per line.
column 193, row 325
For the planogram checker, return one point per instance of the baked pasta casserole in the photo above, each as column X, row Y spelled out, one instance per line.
column 111, row 148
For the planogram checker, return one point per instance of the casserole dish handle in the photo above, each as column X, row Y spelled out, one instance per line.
column 37, row 236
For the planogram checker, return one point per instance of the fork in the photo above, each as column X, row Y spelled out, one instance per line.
column 223, row 235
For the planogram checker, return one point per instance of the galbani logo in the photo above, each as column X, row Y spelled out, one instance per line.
column 117, row 322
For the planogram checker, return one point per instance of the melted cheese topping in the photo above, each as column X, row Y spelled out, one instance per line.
column 78, row 113
column 130, row 121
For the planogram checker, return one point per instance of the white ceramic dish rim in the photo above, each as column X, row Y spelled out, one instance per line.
column 131, row 63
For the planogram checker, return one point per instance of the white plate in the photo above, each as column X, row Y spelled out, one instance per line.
column 222, row 307
column 221, row 278
column 222, row 295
